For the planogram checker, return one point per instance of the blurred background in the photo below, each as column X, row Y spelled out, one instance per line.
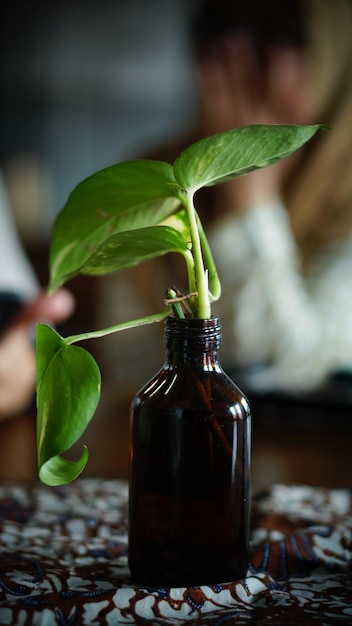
column 85, row 84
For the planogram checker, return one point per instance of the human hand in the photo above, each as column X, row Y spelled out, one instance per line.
column 17, row 354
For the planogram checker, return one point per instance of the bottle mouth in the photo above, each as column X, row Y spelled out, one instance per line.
column 192, row 333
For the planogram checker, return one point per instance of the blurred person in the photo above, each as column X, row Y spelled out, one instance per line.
column 281, row 236
column 22, row 304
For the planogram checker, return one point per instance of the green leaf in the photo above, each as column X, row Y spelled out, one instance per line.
column 59, row 471
column 180, row 222
column 68, row 391
column 238, row 151
column 130, row 248
column 125, row 196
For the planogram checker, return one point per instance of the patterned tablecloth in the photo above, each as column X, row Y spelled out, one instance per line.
column 64, row 561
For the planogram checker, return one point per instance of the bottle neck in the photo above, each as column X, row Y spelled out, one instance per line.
column 191, row 339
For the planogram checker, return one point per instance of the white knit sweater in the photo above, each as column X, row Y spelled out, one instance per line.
column 270, row 312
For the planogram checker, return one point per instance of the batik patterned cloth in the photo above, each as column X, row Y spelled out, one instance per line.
column 64, row 561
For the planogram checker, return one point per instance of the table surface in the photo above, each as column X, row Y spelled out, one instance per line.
column 64, row 561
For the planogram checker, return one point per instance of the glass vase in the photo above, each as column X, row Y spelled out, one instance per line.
column 189, row 488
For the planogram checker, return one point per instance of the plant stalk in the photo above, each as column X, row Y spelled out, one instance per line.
column 203, row 301
column 149, row 319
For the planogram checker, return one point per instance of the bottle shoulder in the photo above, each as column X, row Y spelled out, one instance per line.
column 209, row 390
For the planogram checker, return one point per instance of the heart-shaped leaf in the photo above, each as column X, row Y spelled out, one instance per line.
column 125, row 196
column 231, row 153
column 130, row 248
column 68, row 391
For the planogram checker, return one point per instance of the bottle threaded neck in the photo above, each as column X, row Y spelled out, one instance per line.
column 192, row 334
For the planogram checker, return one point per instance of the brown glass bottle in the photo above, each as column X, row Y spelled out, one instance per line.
column 189, row 500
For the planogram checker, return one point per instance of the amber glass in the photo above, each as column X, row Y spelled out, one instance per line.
column 189, row 499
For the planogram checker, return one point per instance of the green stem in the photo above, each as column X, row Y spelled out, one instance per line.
column 176, row 306
column 214, row 282
column 203, row 301
column 190, row 271
column 149, row 319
